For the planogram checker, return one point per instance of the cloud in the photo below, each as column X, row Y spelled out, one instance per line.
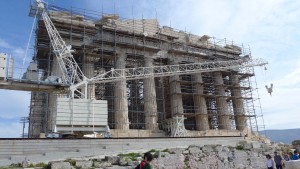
column 16, row 52
column 4, row 44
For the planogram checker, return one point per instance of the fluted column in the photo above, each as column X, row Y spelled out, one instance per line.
column 238, row 104
column 150, row 105
column 223, row 113
column 175, row 96
column 201, row 117
column 120, row 97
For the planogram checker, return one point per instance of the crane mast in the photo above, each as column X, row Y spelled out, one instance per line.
column 71, row 72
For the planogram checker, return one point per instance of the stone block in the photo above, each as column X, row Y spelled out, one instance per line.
column 114, row 160
column 84, row 164
column 256, row 145
column 124, row 161
column 194, row 150
column 292, row 164
column 176, row 150
column 60, row 165
column 102, row 164
column 117, row 167
column 207, row 148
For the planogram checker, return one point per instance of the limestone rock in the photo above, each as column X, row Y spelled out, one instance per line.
column 84, row 164
column 124, row 161
column 102, row 164
column 60, row 165
column 114, row 160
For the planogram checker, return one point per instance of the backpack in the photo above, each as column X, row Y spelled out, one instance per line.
column 139, row 166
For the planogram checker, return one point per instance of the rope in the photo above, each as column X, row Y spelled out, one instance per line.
column 28, row 43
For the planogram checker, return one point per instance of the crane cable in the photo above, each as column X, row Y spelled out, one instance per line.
column 28, row 43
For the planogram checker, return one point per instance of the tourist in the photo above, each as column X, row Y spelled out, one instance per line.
column 145, row 164
column 295, row 156
column 278, row 160
column 286, row 157
column 270, row 163
column 148, row 158
column 290, row 155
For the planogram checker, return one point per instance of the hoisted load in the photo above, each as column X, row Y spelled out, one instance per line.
column 270, row 89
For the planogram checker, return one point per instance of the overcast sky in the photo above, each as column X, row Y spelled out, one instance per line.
column 270, row 27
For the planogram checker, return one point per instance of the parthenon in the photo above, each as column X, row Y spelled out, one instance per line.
column 210, row 102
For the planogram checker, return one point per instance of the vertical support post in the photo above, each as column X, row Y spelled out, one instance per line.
column 88, row 70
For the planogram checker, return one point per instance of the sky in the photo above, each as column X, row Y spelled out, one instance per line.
column 269, row 27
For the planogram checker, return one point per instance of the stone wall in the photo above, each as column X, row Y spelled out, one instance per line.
column 243, row 156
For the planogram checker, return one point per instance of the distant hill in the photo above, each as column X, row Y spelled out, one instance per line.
column 284, row 136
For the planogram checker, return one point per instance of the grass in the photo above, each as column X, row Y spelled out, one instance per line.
column 131, row 156
column 239, row 147
column 71, row 161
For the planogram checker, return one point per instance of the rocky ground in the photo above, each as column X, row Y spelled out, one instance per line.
column 243, row 156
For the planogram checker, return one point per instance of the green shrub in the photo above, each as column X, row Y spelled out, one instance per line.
column 71, row 161
column 131, row 156
column 239, row 147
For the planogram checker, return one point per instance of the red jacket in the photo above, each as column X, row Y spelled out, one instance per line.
column 142, row 164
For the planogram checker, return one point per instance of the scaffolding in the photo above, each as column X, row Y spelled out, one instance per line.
column 224, row 100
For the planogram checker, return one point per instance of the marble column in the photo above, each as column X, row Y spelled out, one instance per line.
column 150, row 105
column 201, row 117
column 238, row 104
column 175, row 96
column 120, row 97
column 222, row 106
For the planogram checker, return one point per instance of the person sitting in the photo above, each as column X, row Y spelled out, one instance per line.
column 295, row 156
column 145, row 164
column 148, row 158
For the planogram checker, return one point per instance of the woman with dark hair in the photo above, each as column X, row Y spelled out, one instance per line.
column 270, row 162
column 145, row 164
column 148, row 157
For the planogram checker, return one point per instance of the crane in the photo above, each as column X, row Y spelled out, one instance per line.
column 71, row 72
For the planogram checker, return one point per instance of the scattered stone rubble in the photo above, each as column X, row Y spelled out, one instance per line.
column 244, row 156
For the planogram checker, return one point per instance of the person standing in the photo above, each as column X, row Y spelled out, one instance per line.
column 278, row 160
column 270, row 162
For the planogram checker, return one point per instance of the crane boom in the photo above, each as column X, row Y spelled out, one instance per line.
column 115, row 75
